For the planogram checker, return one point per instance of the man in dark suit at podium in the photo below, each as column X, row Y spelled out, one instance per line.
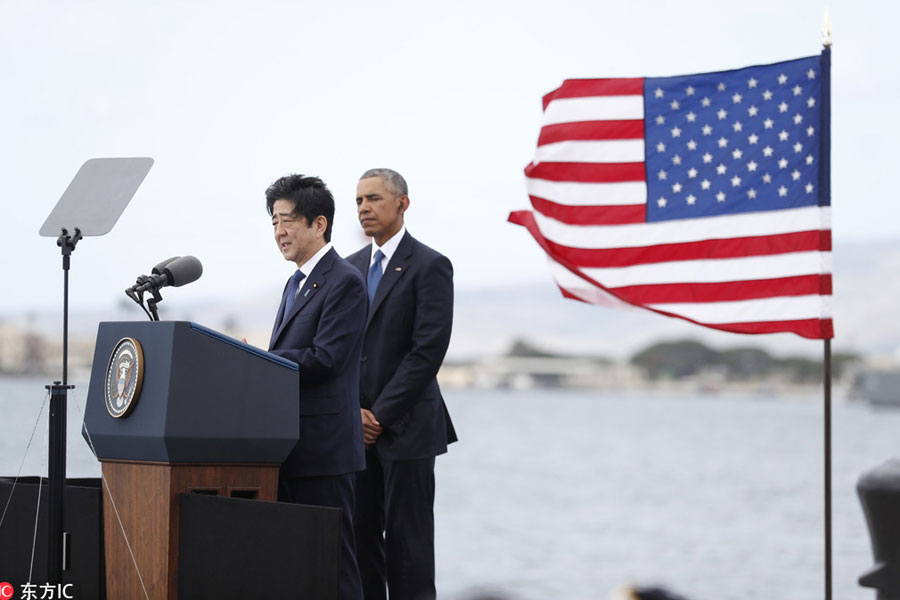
column 319, row 326
column 405, row 422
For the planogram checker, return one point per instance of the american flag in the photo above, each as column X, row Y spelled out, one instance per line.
column 704, row 197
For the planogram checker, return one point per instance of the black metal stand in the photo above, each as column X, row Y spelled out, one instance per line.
column 138, row 297
column 57, row 559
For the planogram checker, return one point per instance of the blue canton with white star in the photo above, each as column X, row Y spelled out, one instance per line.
column 732, row 142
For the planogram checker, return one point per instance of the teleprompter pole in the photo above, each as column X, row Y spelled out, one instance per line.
column 57, row 555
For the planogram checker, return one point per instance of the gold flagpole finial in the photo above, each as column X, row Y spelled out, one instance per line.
column 826, row 29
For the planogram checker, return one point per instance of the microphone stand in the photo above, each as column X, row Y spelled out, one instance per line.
column 57, row 541
column 152, row 302
column 138, row 297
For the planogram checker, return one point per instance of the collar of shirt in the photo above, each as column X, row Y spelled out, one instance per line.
column 388, row 249
column 309, row 265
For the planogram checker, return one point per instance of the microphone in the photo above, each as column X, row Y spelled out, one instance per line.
column 158, row 269
column 176, row 271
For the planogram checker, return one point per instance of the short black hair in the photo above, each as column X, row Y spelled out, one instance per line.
column 310, row 195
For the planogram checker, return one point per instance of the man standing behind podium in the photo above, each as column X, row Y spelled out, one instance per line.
column 405, row 422
column 319, row 326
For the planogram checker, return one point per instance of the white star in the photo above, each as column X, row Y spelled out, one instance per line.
column 811, row 102
column 782, row 163
column 767, row 178
column 676, row 160
column 692, row 145
column 782, row 79
column 798, row 90
column 723, row 142
column 751, row 83
column 735, row 181
column 783, row 135
column 737, row 154
column 752, row 111
column 707, row 158
column 674, row 104
column 810, row 130
column 676, row 188
column 662, row 175
column 798, row 147
column 737, row 98
column 658, row 93
column 707, row 130
column 783, row 107
column 660, row 120
column 705, row 102
column 722, row 113
column 768, row 123
column 721, row 169
column 692, row 173
column 767, row 151
column 767, row 95
column 720, row 197
column 753, row 138
column 738, row 126
column 676, row 132
column 690, row 90
column 751, row 166
column 691, row 117
column 782, row 191
column 721, row 87
column 798, row 118
column 705, row 184
column 809, row 188
column 751, row 193
column 809, row 159
column 660, row 147
column 691, row 199
column 810, row 74
column 661, row 202
column 795, row 175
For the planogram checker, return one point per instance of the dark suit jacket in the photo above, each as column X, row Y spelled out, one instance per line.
column 407, row 334
column 323, row 333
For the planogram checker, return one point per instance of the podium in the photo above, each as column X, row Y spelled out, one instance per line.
column 176, row 408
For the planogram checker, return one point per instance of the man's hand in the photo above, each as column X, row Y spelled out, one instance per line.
column 371, row 427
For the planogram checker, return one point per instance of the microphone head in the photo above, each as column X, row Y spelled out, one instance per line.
column 161, row 267
column 183, row 270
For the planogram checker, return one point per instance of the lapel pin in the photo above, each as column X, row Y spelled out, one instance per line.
column 398, row 269
column 315, row 285
column 306, row 293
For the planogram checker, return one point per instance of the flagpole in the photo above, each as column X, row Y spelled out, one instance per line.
column 827, row 384
column 825, row 189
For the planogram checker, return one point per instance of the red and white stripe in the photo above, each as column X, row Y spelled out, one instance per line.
column 755, row 272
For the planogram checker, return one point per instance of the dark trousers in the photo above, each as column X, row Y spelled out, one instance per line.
column 335, row 491
column 395, row 528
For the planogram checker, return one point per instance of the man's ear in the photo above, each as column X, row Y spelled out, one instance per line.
column 404, row 204
column 321, row 224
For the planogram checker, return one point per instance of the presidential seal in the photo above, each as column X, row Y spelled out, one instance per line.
column 124, row 376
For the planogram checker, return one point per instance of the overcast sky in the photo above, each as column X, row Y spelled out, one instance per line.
column 227, row 96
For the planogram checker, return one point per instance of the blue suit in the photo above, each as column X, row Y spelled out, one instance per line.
column 323, row 334
column 407, row 335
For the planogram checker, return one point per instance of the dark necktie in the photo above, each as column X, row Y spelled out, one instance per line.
column 293, row 289
column 374, row 275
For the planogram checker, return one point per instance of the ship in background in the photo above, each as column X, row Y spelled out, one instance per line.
column 877, row 386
